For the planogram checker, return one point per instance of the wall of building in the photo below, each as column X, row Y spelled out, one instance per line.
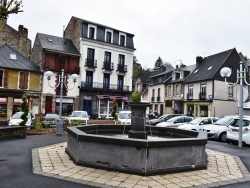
column 16, row 39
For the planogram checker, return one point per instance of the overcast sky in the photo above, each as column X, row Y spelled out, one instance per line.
column 175, row 30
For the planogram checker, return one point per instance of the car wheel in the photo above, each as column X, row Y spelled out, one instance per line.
column 223, row 137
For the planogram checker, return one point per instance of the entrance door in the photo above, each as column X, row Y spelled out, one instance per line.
column 48, row 105
column 87, row 106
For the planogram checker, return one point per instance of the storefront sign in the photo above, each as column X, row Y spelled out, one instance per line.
column 65, row 100
column 87, row 97
column 3, row 99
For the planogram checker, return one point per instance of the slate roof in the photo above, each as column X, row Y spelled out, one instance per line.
column 214, row 61
column 189, row 68
column 57, row 44
column 21, row 62
column 105, row 26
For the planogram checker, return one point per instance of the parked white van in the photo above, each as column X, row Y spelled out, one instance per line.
column 124, row 116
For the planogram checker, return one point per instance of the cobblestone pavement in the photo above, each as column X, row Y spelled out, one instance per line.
column 222, row 169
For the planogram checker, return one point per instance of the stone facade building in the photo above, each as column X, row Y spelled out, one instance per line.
column 17, row 39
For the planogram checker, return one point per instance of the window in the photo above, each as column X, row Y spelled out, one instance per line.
column 58, row 89
column 13, row 56
column 62, row 62
column 91, row 54
column 169, row 90
column 89, row 78
column 177, row 89
column 23, row 80
column 107, row 57
column 230, row 91
column 122, row 40
column 190, row 92
column 106, row 78
column 108, row 37
column 92, row 33
column 159, row 91
column 1, row 78
column 203, row 89
column 121, row 59
column 153, row 93
column 120, row 82
column 196, row 70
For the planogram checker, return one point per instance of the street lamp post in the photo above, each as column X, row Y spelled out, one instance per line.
column 61, row 82
column 243, row 94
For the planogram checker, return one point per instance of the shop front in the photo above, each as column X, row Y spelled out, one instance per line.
column 198, row 109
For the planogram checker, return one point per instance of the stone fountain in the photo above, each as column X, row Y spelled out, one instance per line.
column 174, row 150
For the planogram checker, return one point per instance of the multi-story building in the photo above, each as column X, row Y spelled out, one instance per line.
column 156, row 89
column 57, row 54
column 18, row 76
column 205, row 92
column 18, row 40
column 174, row 90
column 106, row 65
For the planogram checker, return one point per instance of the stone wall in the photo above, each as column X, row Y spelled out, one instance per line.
column 73, row 31
column 16, row 39
column 12, row 132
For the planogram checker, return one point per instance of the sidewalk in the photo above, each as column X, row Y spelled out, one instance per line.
column 223, row 169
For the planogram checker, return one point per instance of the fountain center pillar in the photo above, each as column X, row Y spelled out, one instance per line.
column 138, row 120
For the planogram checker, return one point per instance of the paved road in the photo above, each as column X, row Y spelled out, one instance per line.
column 243, row 153
column 16, row 164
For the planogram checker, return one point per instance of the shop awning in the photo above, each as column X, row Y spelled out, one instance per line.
column 112, row 97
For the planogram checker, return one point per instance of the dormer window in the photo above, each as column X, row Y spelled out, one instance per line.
column 122, row 40
column 92, row 33
column 13, row 56
column 196, row 70
column 209, row 68
column 108, row 36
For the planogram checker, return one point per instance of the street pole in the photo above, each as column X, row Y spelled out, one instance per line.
column 241, row 106
column 61, row 93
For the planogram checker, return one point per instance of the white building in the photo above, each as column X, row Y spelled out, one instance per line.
column 106, row 66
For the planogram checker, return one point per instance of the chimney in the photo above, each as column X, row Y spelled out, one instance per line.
column 176, row 66
column 199, row 60
column 23, row 31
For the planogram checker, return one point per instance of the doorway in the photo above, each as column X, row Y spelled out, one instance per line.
column 87, row 106
column 48, row 105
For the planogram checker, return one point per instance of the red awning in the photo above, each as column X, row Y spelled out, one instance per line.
column 113, row 97
column 125, row 98
column 99, row 96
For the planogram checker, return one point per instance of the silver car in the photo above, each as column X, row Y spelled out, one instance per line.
column 175, row 121
column 218, row 130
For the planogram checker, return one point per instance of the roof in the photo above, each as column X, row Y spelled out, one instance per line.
column 20, row 63
column 105, row 26
column 57, row 44
column 189, row 68
column 208, row 67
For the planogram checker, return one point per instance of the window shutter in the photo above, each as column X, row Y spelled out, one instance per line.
column 21, row 80
column 26, row 80
column 5, row 79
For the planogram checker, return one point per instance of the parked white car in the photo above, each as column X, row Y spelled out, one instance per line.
column 198, row 123
column 175, row 121
column 16, row 119
column 78, row 116
column 233, row 131
column 218, row 130
column 124, row 116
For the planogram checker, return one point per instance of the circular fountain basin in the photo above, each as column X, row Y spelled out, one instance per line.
column 182, row 150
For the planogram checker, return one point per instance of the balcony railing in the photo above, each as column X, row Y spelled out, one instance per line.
column 97, row 85
column 108, row 66
column 202, row 96
column 189, row 96
column 92, row 63
column 121, row 67
column 152, row 99
column 72, row 70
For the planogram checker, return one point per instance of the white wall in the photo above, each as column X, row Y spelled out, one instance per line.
column 100, row 49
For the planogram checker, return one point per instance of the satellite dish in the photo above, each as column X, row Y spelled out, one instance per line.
column 245, row 95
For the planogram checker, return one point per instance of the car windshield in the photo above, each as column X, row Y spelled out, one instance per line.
column 54, row 116
column 172, row 119
column 162, row 117
column 223, row 121
column 124, row 115
column 195, row 121
column 80, row 114
column 18, row 115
